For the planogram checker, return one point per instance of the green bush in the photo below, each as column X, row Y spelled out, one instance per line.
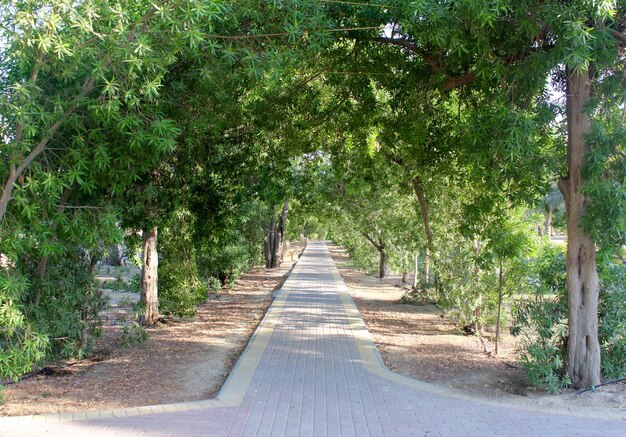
column 612, row 330
column 70, row 306
column 227, row 263
column 540, row 320
column 133, row 334
column 180, row 289
column 214, row 284
column 64, row 323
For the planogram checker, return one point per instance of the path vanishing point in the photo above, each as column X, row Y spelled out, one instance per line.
column 311, row 369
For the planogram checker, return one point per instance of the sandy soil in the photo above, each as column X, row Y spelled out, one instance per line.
column 415, row 341
column 183, row 360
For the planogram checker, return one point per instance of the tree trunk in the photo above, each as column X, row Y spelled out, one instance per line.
column 415, row 269
column 268, row 243
column 583, row 348
column 405, row 267
column 547, row 226
column 279, row 236
column 149, row 299
column 427, row 265
column 42, row 265
column 382, row 265
column 500, row 282
column 421, row 200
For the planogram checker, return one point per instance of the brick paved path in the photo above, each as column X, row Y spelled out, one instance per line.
column 311, row 370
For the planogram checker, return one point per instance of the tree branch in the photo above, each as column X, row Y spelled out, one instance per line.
column 620, row 37
column 371, row 240
column 412, row 48
column 451, row 81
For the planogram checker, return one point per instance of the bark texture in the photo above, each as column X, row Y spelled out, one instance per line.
column 583, row 348
column 274, row 243
column 149, row 278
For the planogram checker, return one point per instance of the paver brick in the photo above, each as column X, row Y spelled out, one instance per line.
column 314, row 378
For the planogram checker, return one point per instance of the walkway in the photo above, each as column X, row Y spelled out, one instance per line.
column 311, row 370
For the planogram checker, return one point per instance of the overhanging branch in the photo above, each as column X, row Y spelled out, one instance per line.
column 451, row 81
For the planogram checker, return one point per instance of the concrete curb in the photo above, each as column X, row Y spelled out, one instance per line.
column 374, row 364
column 230, row 395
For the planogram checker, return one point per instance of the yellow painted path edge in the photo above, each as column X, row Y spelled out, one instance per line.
column 230, row 395
column 374, row 364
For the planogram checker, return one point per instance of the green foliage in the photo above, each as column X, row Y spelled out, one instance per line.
column 135, row 283
column 64, row 323
column 540, row 320
column 70, row 310
column 215, row 284
column 180, row 289
column 133, row 334
column 180, row 286
column 228, row 263
column 2, row 395
column 612, row 330
column 21, row 344
column 132, row 120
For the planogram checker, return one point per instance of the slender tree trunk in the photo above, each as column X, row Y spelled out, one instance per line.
column 149, row 299
column 43, row 262
column 415, row 269
column 547, row 226
column 405, row 267
column 268, row 243
column 42, row 265
column 93, row 262
column 279, row 236
column 421, row 200
column 427, row 265
column 382, row 264
column 500, row 282
column 583, row 348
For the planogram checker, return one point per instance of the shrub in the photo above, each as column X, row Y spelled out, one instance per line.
column 227, row 263
column 612, row 330
column 541, row 321
column 133, row 333
column 70, row 306
column 180, row 289
column 214, row 284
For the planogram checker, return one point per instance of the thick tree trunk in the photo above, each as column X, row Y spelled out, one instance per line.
column 149, row 299
column 583, row 348
column 415, row 269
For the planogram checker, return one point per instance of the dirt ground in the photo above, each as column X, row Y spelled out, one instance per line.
column 184, row 360
column 415, row 341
